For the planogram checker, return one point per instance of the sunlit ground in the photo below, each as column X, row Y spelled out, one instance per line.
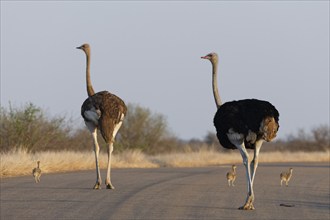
column 21, row 162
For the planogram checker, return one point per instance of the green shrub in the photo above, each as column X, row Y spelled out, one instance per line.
column 142, row 130
column 28, row 128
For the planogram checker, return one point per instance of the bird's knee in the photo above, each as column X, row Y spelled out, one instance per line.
column 96, row 148
column 110, row 147
column 246, row 160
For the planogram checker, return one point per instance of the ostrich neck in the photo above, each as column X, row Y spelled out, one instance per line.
column 215, row 85
column 90, row 90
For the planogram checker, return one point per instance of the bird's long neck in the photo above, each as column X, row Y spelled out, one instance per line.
column 38, row 164
column 215, row 85
column 90, row 90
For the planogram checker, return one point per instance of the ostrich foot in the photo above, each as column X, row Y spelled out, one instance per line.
column 109, row 185
column 97, row 186
column 248, row 206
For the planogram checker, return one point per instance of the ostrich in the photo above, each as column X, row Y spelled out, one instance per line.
column 242, row 125
column 105, row 112
column 286, row 176
column 231, row 176
column 36, row 172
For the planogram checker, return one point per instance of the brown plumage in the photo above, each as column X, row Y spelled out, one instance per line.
column 231, row 176
column 36, row 172
column 109, row 107
column 105, row 112
column 286, row 176
column 269, row 128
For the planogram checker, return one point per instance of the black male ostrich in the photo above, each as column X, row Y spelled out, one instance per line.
column 105, row 112
column 243, row 124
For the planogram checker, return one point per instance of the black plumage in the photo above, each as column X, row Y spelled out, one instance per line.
column 243, row 117
column 243, row 124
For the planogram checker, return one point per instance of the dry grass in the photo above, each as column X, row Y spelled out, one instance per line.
column 20, row 162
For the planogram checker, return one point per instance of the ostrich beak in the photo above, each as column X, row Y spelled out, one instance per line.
column 79, row 47
column 205, row 57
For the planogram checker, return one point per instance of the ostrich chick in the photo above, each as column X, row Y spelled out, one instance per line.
column 231, row 176
column 36, row 172
column 286, row 176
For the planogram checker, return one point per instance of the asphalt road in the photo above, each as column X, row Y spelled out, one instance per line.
column 170, row 193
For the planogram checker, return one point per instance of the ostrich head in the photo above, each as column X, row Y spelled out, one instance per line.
column 84, row 47
column 234, row 167
column 213, row 57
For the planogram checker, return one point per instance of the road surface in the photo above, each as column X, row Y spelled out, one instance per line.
column 170, row 193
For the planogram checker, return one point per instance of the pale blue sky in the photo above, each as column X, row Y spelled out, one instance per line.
column 149, row 53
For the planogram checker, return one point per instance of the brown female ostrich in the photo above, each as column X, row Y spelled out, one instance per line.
column 243, row 124
column 105, row 112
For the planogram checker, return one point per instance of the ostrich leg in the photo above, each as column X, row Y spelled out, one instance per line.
column 108, row 180
column 110, row 149
column 254, row 163
column 97, row 151
column 250, row 196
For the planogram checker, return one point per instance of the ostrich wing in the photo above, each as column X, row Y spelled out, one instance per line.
column 106, row 110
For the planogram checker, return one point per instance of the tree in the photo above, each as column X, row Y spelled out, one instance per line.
column 142, row 130
column 321, row 136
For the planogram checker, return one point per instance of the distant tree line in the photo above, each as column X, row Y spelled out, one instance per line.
column 30, row 128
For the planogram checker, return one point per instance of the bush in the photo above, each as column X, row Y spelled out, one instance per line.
column 143, row 130
column 321, row 137
column 29, row 128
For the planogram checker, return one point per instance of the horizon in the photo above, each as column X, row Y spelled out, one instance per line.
column 148, row 53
